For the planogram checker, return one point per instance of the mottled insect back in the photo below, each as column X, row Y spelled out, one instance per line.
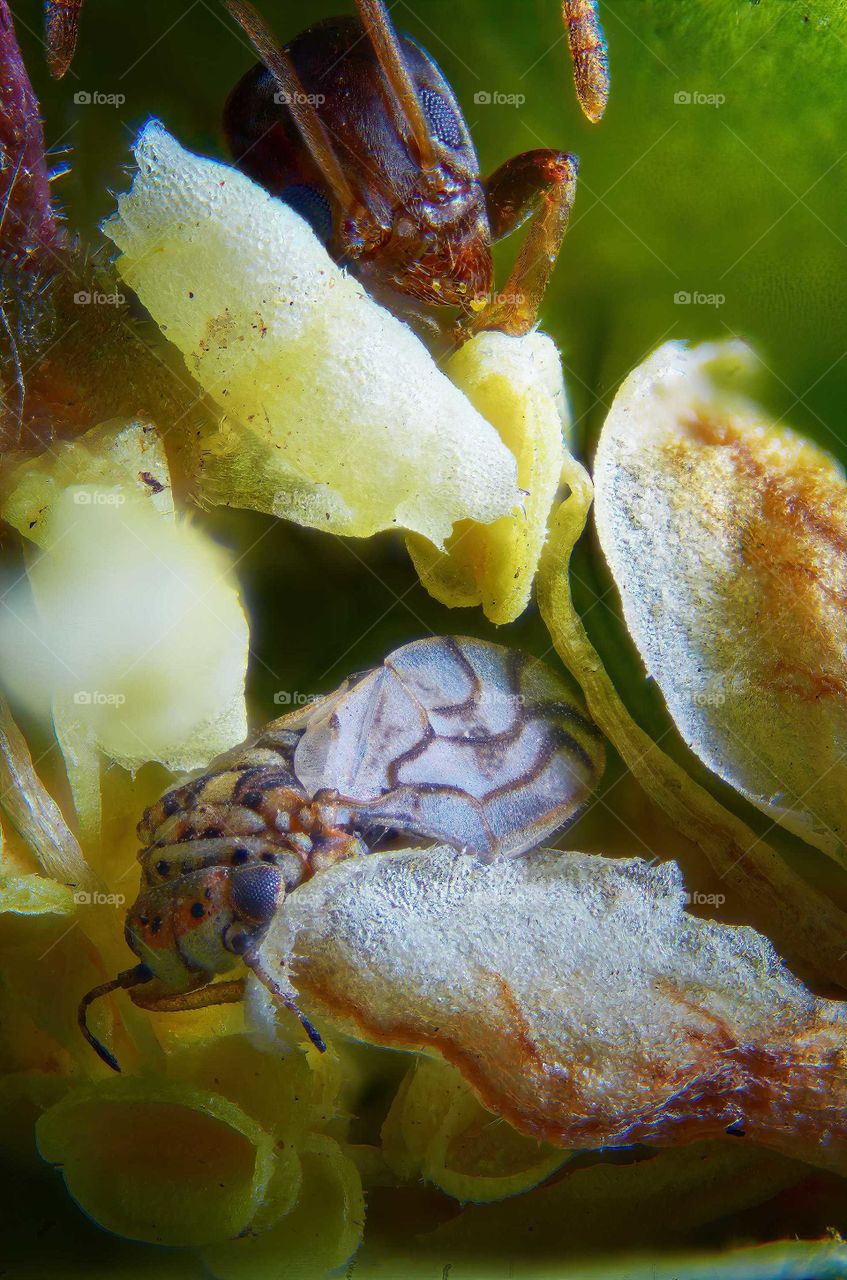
column 455, row 740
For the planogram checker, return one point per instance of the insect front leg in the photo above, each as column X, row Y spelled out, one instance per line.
column 540, row 185
column 199, row 998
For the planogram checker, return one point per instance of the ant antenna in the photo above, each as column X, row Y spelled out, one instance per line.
column 293, row 95
column 129, row 978
column 383, row 37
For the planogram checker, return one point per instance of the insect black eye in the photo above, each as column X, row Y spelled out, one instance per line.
column 312, row 206
column 254, row 892
column 441, row 117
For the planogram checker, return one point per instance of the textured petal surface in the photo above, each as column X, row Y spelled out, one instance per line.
column 575, row 993
column 337, row 417
column 727, row 537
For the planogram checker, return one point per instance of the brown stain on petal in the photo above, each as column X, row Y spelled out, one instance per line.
column 794, row 539
column 787, row 1093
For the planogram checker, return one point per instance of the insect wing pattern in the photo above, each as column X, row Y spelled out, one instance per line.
column 454, row 739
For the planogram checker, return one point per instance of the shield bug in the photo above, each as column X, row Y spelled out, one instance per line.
column 355, row 126
column 452, row 740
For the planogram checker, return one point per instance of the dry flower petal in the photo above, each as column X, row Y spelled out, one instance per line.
column 337, row 417
column 727, row 537
column 804, row 923
column 516, row 384
column 575, row 993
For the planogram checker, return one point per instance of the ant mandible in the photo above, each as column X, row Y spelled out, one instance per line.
column 354, row 126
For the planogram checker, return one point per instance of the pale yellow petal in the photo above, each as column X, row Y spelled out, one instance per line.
column 516, row 383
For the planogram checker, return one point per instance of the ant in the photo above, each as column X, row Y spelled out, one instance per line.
column 355, row 127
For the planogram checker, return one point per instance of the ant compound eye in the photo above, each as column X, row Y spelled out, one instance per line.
column 312, row 206
column 441, row 118
column 254, row 892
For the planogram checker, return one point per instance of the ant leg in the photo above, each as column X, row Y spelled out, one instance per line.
column 383, row 37
column 589, row 53
column 540, row 185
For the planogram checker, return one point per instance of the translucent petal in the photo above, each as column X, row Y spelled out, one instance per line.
column 727, row 537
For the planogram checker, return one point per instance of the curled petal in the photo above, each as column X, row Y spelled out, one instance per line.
column 320, row 1234
column 575, row 993
column 702, row 1183
column 437, row 1129
column 164, row 1163
column 727, row 537
column 516, row 384
column 141, row 637
column 807, row 926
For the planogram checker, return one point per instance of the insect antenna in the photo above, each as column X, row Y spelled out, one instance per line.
column 129, row 978
column 383, row 37
column 61, row 29
column 285, row 997
column 295, row 98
